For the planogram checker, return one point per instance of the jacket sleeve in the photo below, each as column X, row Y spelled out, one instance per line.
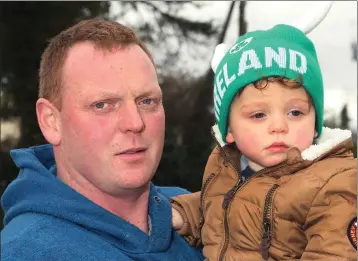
column 328, row 221
column 188, row 206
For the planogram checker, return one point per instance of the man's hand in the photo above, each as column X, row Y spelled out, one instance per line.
column 177, row 220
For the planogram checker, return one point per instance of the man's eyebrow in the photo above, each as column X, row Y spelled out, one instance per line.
column 105, row 96
column 146, row 93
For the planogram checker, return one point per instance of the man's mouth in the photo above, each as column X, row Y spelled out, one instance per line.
column 133, row 151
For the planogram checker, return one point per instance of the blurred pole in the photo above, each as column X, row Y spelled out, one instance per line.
column 242, row 20
column 226, row 23
column 203, row 94
column 355, row 51
column 209, row 73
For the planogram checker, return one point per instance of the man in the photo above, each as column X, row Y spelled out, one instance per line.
column 88, row 195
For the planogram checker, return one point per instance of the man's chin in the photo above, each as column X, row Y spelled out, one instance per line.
column 129, row 189
column 136, row 182
column 137, row 186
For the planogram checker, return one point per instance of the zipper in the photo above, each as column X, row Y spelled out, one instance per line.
column 266, row 236
column 201, row 208
column 228, row 197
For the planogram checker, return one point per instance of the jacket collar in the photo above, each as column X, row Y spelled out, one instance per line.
column 331, row 142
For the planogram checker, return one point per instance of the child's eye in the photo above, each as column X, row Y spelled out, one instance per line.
column 258, row 115
column 295, row 113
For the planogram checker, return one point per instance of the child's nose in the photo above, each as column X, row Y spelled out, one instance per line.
column 278, row 125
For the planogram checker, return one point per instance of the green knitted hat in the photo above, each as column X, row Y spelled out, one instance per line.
column 280, row 51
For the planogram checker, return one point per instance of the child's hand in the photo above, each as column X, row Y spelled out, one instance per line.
column 177, row 220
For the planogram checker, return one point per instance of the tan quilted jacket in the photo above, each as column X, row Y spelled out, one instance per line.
column 298, row 210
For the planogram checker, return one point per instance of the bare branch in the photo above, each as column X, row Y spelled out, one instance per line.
column 183, row 23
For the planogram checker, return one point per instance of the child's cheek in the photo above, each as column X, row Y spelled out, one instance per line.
column 249, row 141
column 303, row 137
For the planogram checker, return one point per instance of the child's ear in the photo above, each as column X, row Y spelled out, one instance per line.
column 229, row 137
column 315, row 134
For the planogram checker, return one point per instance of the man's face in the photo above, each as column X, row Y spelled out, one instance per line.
column 264, row 124
column 112, row 118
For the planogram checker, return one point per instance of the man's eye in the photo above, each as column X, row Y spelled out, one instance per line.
column 147, row 101
column 101, row 105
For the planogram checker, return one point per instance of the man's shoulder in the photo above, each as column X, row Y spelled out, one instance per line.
column 170, row 192
column 44, row 237
column 26, row 237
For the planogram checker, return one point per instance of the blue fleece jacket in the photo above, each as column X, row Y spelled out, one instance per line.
column 47, row 220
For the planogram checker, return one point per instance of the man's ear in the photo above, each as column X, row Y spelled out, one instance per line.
column 229, row 137
column 49, row 121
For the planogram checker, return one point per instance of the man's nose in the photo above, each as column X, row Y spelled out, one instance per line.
column 278, row 124
column 130, row 119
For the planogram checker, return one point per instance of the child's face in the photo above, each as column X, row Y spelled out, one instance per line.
column 277, row 114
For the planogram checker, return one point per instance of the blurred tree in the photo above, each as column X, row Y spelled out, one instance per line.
column 342, row 122
column 344, row 117
column 167, row 29
column 330, row 121
column 25, row 28
column 189, row 120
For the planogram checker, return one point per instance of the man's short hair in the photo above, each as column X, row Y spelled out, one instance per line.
column 105, row 35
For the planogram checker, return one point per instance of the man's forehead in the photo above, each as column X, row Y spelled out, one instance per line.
column 145, row 90
column 85, row 67
column 87, row 49
column 79, row 52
